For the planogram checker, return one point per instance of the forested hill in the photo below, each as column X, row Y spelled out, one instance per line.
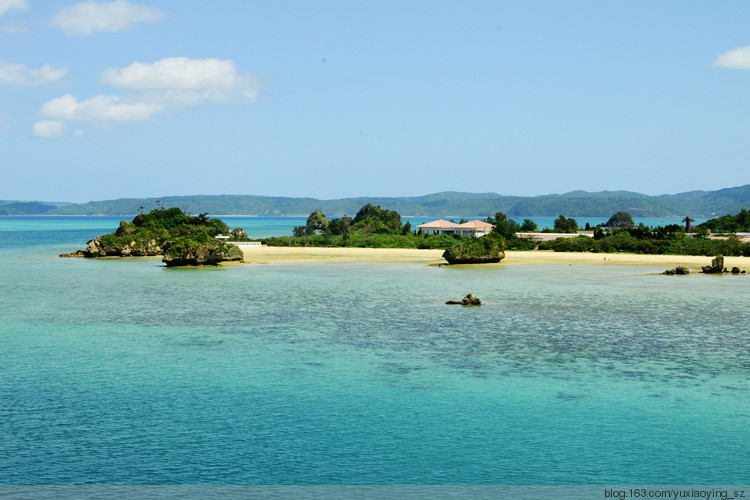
column 573, row 204
column 25, row 208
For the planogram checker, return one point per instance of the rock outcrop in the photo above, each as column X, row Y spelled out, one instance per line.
column 191, row 240
column 677, row 270
column 484, row 250
column 716, row 267
column 101, row 246
column 469, row 300
column 238, row 233
column 77, row 253
column 210, row 253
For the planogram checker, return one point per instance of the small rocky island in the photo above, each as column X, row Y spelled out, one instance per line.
column 468, row 300
column 182, row 239
column 482, row 250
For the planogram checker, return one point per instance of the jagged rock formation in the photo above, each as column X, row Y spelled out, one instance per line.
column 190, row 240
column 469, row 300
column 716, row 267
column 484, row 250
column 238, row 233
column 77, row 253
column 677, row 270
column 210, row 253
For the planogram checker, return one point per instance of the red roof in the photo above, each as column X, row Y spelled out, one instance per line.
column 440, row 223
column 476, row 224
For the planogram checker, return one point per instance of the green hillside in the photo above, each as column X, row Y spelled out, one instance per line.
column 450, row 203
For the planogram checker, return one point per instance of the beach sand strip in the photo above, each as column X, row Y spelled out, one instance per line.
column 288, row 255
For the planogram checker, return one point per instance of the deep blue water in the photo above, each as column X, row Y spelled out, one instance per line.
column 123, row 371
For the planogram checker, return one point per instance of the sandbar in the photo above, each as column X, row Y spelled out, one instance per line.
column 548, row 257
column 290, row 255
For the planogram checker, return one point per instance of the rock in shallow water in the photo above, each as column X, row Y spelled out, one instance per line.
column 210, row 253
column 469, row 300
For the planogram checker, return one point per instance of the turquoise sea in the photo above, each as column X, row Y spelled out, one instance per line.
column 125, row 372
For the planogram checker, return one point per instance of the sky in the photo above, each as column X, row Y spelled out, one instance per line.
column 333, row 99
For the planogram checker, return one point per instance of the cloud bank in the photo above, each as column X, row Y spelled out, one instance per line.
column 167, row 83
column 6, row 5
column 738, row 58
column 86, row 18
column 99, row 108
column 177, row 73
column 19, row 74
column 182, row 81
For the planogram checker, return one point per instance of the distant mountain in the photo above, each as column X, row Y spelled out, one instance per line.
column 25, row 208
column 449, row 203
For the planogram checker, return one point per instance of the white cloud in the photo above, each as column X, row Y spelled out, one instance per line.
column 19, row 74
column 6, row 5
column 47, row 129
column 177, row 73
column 186, row 81
column 738, row 58
column 87, row 17
column 157, row 87
column 99, row 109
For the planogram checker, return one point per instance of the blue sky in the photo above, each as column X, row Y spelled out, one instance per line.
column 331, row 99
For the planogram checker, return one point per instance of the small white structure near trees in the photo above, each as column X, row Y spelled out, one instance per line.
column 472, row 228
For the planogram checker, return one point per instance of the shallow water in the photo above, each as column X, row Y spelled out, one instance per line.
column 123, row 371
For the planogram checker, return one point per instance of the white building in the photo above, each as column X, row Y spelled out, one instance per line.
column 473, row 228
column 439, row 226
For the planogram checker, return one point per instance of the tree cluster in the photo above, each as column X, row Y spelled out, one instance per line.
column 371, row 227
column 669, row 240
column 370, row 219
column 167, row 231
column 739, row 223
column 563, row 225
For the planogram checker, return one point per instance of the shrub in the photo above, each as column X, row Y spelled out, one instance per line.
column 578, row 244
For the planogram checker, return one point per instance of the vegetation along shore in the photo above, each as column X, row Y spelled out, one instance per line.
column 375, row 234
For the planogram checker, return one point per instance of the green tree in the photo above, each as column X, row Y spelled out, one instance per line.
column 340, row 226
column 317, row 220
column 739, row 223
column 372, row 218
column 505, row 227
column 529, row 226
column 564, row 225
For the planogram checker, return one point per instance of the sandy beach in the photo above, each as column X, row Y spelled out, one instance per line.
column 281, row 255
